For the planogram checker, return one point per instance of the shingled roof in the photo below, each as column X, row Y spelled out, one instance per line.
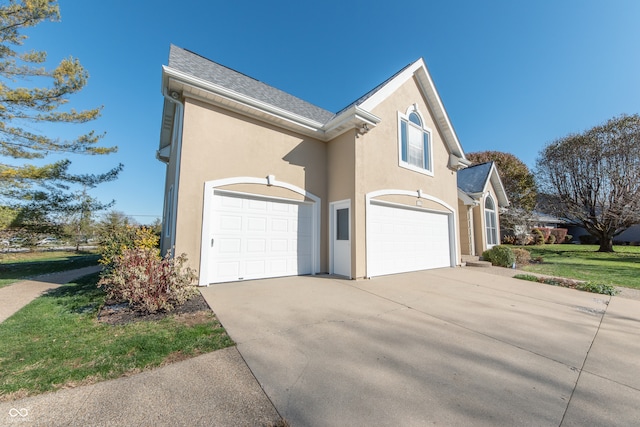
column 213, row 82
column 473, row 181
column 474, row 178
column 195, row 65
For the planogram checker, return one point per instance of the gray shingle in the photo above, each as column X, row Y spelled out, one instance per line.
column 200, row 67
column 473, row 179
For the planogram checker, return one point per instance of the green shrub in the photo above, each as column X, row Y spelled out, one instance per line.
column 538, row 236
column 587, row 239
column 147, row 282
column 522, row 256
column 568, row 238
column 551, row 240
column 529, row 277
column 499, row 255
column 597, row 288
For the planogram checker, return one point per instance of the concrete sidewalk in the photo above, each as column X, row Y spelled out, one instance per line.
column 448, row 347
column 15, row 296
column 215, row 389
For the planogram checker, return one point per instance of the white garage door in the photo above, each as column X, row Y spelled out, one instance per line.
column 254, row 238
column 402, row 240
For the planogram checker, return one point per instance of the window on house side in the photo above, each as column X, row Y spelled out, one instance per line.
column 490, row 221
column 415, row 143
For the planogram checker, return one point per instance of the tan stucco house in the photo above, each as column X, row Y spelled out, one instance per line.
column 481, row 196
column 262, row 184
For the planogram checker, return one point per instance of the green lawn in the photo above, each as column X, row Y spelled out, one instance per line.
column 583, row 262
column 22, row 265
column 56, row 341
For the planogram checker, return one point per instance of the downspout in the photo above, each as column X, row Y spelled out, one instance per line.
column 471, row 231
column 174, row 97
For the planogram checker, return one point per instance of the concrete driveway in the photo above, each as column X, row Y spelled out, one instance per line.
column 445, row 347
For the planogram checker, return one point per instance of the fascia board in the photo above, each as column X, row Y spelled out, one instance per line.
column 195, row 82
column 387, row 90
column 353, row 114
column 419, row 69
column 442, row 118
column 493, row 178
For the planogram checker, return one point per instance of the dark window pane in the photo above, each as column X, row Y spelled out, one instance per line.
column 342, row 224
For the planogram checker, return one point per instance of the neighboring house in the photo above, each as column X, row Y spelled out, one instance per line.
column 630, row 236
column 481, row 195
column 543, row 220
column 262, row 184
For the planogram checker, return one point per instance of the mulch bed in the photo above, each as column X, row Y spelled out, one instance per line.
column 115, row 313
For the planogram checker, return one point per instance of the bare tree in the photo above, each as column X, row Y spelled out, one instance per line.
column 593, row 178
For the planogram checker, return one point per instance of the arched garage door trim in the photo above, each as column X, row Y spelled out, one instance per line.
column 451, row 219
column 209, row 188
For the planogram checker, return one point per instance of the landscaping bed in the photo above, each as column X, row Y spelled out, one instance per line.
column 570, row 283
column 114, row 313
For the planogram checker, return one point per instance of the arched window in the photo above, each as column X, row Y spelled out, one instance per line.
column 490, row 221
column 414, row 142
column 414, row 118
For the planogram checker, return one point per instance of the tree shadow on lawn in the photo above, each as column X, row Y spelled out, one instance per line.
column 22, row 270
column 617, row 258
column 81, row 296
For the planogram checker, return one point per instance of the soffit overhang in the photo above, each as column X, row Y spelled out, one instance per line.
column 187, row 86
column 467, row 199
column 168, row 114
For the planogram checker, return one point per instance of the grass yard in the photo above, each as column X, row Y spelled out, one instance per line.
column 21, row 265
column 621, row 268
column 56, row 341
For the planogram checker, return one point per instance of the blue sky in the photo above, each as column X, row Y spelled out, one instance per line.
column 513, row 75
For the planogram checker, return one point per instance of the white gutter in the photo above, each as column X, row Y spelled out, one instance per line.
column 177, row 138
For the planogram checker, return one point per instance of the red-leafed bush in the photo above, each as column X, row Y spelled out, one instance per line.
column 560, row 233
column 147, row 282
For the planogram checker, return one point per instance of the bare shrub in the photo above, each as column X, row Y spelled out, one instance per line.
column 523, row 256
column 147, row 282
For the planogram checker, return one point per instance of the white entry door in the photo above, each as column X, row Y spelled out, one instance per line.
column 341, row 238
column 256, row 237
column 405, row 239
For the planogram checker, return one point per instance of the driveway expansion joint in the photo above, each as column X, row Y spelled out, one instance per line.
column 584, row 362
